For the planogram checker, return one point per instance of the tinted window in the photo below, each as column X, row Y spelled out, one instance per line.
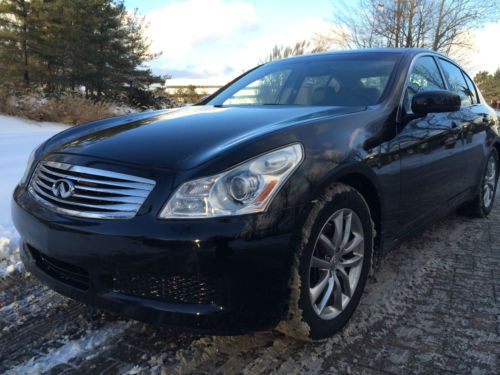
column 472, row 89
column 335, row 80
column 456, row 81
column 425, row 76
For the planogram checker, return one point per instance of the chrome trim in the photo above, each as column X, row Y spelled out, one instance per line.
column 95, row 181
column 98, row 193
column 98, row 172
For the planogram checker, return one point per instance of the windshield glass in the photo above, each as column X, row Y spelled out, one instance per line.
column 328, row 80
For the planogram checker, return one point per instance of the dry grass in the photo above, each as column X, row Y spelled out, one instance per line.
column 67, row 109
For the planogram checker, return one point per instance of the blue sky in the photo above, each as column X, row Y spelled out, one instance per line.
column 213, row 41
column 216, row 40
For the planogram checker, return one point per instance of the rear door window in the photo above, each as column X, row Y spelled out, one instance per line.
column 472, row 89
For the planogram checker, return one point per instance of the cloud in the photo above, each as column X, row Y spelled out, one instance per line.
column 254, row 50
column 182, row 25
column 487, row 54
column 208, row 65
column 193, row 72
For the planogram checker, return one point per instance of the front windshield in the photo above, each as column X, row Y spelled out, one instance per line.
column 353, row 79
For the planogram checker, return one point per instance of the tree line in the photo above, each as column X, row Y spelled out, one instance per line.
column 489, row 84
column 61, row 46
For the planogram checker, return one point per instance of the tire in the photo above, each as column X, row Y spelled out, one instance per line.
column 484, row 200
column 313, row 314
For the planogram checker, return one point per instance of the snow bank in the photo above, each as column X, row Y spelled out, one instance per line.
column 9, row 251
column 18, row 138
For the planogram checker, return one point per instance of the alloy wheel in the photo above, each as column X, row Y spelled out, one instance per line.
column 336, row 263
column 489, row 182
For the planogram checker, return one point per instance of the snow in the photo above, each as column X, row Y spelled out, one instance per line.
column 84, row 346
column 18, row 138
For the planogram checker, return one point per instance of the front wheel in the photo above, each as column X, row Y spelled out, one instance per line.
column 334, row 261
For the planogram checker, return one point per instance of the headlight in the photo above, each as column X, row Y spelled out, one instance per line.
column 245, row 189
column 29, row 165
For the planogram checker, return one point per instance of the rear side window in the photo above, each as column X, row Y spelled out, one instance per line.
column 425, row 76
column 472, row 89
column 456, row 81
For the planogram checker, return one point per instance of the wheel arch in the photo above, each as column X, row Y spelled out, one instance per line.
column 363, row 179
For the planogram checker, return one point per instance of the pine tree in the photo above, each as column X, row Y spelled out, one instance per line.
column 65, row 45
column 489, row 84
column 16, row 28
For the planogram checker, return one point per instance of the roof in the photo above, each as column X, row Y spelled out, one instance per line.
column 401, row 51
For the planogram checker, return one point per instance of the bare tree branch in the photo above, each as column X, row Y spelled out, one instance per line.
column 442, row 25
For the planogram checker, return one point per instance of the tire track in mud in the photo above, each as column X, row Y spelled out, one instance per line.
column 40, row 321
column 41, row 332
column 85, row 345
column 15, row 287
column 123, row 351
column 134, row 346
column 30, row 301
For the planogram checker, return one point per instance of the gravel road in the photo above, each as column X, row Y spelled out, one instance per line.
column 432, row 308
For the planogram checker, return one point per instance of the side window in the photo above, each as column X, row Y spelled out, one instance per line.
column 456, row 81
column 472, row 89
column 425, row 76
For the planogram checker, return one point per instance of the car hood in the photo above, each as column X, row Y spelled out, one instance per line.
column 183, row 138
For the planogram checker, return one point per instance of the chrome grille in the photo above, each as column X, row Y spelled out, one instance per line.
column 88, row 192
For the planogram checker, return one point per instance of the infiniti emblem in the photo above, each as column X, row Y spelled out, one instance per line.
column 63, row 188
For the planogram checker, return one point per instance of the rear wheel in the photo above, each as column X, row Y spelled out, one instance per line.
column 483, row 202
column 333, row 262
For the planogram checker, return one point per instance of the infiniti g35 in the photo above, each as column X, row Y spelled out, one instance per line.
column 270, row 201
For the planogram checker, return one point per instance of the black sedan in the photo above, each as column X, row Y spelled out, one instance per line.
column 267, row 203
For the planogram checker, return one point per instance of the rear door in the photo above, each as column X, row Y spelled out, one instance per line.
column 429, row 149
column 474, row 119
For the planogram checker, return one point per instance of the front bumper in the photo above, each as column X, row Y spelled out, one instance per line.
column 227, row 275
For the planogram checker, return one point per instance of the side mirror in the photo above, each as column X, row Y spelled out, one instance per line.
column 434, row 102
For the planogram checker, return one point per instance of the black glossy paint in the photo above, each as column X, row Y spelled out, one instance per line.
column 438, row 101
column 411, row 169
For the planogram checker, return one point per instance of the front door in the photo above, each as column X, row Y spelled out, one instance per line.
column 429, row 148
